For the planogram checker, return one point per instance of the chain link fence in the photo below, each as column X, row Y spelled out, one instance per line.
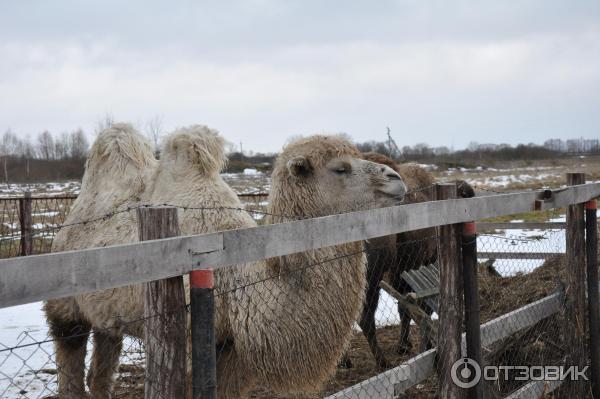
column 35, row 219
column 396, row 324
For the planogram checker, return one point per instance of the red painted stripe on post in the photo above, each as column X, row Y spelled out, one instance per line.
column 202, row 278
column 469, row 228
column 591, row 204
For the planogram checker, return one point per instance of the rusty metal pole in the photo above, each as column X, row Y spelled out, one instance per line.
column 204, row 354
column 472, row 311
column 591, row 251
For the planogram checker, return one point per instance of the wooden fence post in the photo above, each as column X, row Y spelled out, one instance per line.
column 591, row 247
column 204, row 354
column 165, row 325
column 25, row 220
column 472, row 311
column 451, row 300
column 575, row 292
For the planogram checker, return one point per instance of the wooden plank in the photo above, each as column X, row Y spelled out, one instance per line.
column 433, row 280
column 427, row 293
column 526, row 316
column 420, row 367
column 383, row 385
column 534, row 390
column 263, row 242
column 517, row 255
column 575, row 194
column 422, row 282
column 33, row 278
column 487, row 226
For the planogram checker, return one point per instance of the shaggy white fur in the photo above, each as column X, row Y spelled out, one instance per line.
column 281, row 323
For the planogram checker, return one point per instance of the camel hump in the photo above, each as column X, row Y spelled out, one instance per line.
column 196, row 146
column 117, row 149
column 116, row 170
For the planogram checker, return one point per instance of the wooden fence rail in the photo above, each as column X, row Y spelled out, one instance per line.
column 33, row 278
column 417, row 369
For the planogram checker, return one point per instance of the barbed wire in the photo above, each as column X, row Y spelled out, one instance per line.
column 130, row 208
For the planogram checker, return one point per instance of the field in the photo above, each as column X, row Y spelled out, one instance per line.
column 26, row 324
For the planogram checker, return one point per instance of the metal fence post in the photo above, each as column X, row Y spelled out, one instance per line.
column 165, row 325
column 471, row 292
column 25, row 220
column 204, row 354
column 451, row 300
column 591, row 250
column 575, row 291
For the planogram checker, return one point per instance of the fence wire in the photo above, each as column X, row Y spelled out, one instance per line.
column 47, row 216
column 396, row 323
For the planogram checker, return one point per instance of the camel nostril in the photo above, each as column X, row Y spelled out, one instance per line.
column 392, row 176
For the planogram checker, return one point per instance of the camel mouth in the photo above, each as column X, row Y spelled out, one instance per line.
column 395, row 189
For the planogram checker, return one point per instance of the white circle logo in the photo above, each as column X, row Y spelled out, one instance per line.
column 465, row 373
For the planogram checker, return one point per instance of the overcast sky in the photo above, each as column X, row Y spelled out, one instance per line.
column 261, row 71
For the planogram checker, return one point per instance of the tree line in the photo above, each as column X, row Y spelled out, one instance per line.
column 481, row 153
column 47, row 157
column 73, row 145
column 62, row 156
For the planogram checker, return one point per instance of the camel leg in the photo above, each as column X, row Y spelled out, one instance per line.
column 367, row 323
column 105, row 360
column 425, row 332
column 404, row 344
column 70, row 340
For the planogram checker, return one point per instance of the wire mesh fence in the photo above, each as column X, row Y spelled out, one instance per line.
column 44, row 216
column 298, row 308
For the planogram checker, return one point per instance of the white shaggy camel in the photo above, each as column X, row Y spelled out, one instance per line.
column 119, row 166
column 121, row 172
column 290, row 317
column 282, row 323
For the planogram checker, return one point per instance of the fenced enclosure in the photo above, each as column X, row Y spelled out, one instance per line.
column 527, row 277
column 28, row 223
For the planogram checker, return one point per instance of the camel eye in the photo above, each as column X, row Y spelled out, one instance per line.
column 342, row 170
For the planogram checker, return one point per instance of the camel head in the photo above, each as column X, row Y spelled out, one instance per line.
column 197, row 147
column 323, row 175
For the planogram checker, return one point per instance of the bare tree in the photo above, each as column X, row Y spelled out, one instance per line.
column 103, row 123
column 154, row 131
column 62, row 146
column 26, row 148
column 78, row 144
column 8, row 148
column 46, row 149
column 230, row 147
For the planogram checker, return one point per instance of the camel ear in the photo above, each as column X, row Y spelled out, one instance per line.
column 299, row 167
